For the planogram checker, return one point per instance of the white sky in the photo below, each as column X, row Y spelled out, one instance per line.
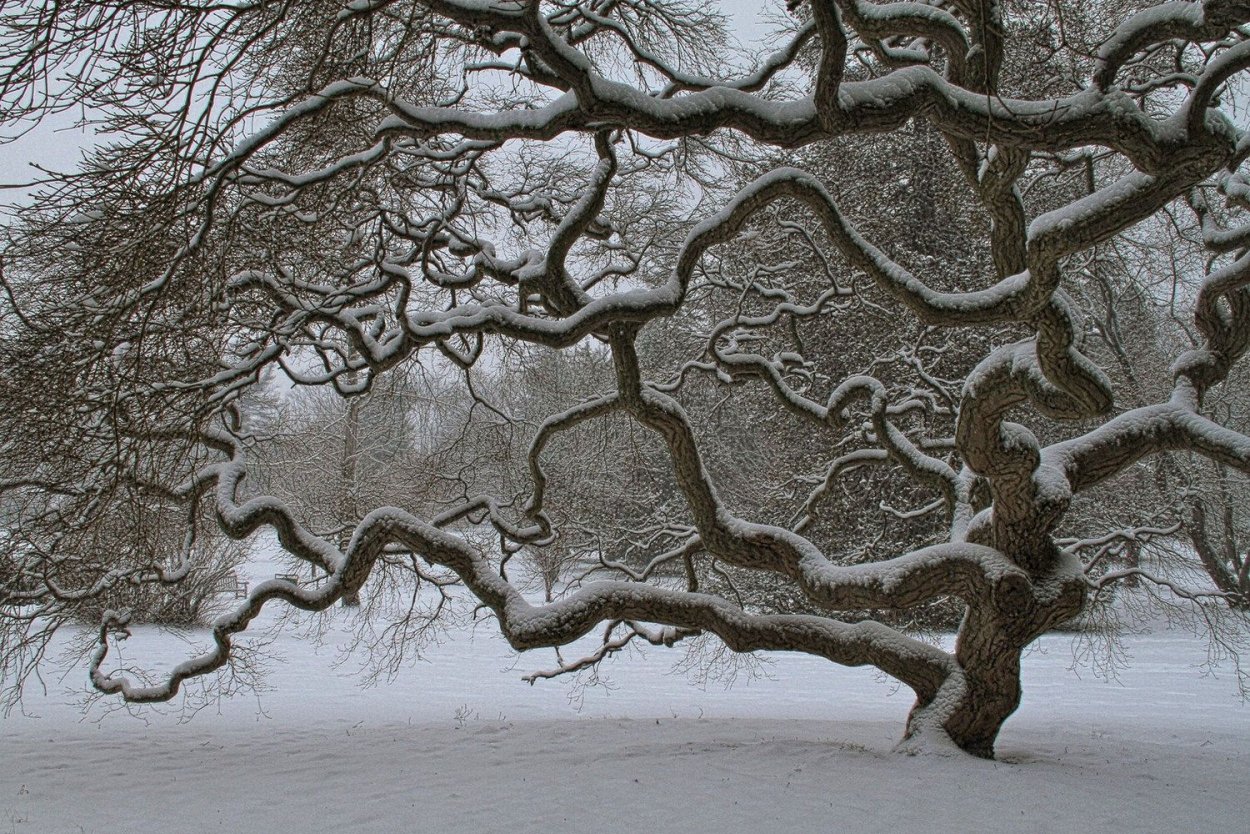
column 57, row 145
column 747, row 16
column 54, row 144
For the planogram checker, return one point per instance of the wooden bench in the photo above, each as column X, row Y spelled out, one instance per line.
column 293, row 578
column 232, row 584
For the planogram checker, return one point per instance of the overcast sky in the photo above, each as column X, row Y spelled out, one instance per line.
column 746, row 15
column 55, row 144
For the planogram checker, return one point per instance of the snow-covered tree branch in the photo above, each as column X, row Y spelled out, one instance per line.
column 641, row 306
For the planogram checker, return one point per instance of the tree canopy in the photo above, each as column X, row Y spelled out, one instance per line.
column 981, row 257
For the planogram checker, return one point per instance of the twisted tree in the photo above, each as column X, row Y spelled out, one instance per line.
column 341, row 191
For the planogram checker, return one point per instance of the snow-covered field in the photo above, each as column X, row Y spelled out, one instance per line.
column 458, row 743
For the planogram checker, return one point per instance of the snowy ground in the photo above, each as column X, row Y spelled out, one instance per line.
column 458, row 743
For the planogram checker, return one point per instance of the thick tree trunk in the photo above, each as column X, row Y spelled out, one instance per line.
column 990, row 659
column 1219, row 554
column 991, row 641
column 349, row 510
